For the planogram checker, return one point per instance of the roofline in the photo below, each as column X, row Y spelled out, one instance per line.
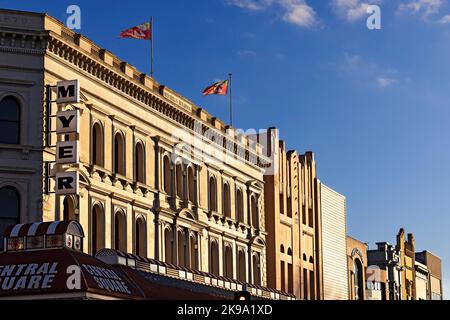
column 353, row 238
column 30, row 13
column 430, row 252
column 334, row 191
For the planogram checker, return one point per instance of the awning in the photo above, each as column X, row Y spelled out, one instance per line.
column 62, row 273
column 68, row 274
column 43, row 228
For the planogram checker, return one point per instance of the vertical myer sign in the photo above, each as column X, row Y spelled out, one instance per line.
column 67, row 122
column 68, row 92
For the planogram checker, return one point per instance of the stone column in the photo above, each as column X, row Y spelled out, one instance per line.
column 129, row 228
column 84, row 210
column 150, row 235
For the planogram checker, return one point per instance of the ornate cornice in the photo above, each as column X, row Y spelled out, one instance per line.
column 24, row 43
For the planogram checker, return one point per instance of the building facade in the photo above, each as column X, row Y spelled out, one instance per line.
column 158, row 176
column 409, row 275
column 292, row 204
column 386, row 258
column 433, row 265
column 422, row 285
column 334, row 247
column 377, row 285
column 405, row 248
column 357, row 268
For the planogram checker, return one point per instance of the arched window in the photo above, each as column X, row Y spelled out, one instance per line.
column 241, row 266
column 182, row 249
column 98, row 229
column 228, row 262
column 120, row 231
column 141, row 237
column 358, row 280
column 119, row 154
column 194, row 252
column 239, row 206
column 168, row 245
column 212, row 194
column 97, row 145
column 9, row 121
column 289, row 252
column 139, row 162
column 226, row 200
column 254, row 208
column 10, row 212
column 282, row 249
column 69, row 208
column 167, row 175
column 256, row 270
column 191, row 185
column 214, row 258
column 179, row 180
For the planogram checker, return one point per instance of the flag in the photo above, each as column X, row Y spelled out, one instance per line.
column 220, row 87
column 142, row 31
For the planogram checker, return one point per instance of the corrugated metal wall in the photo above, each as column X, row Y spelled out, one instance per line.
column 335, row 283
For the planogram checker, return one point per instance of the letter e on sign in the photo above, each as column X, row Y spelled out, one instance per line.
column 67, row 122
column 68, row 92
column 67, row 152
column 66, row 183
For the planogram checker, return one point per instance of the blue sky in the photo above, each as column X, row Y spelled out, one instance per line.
column 374, row 105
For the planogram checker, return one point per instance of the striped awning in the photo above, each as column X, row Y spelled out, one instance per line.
column 44, row 228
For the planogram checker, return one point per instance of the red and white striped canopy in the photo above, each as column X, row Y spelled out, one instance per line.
column 43, row 228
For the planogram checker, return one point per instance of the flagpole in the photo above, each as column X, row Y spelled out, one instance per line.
column 231, row 101
column 151, row 46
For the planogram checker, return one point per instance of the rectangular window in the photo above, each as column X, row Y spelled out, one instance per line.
column 312, row 285
column 305, row 284
column 290, row 279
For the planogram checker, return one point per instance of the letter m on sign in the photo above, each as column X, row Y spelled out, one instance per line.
column 68, row 92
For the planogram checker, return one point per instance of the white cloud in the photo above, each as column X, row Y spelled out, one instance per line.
column 445, row 19
column 253, row 5
column 384, row 82
column 359, row 70
column 299, row 13
column 424, row 7
column 352, row 10
column 296, row 12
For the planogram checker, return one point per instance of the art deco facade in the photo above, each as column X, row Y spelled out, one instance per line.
column 292, row 204
column 334, row 246
column 159, row 176
column 405, row 247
